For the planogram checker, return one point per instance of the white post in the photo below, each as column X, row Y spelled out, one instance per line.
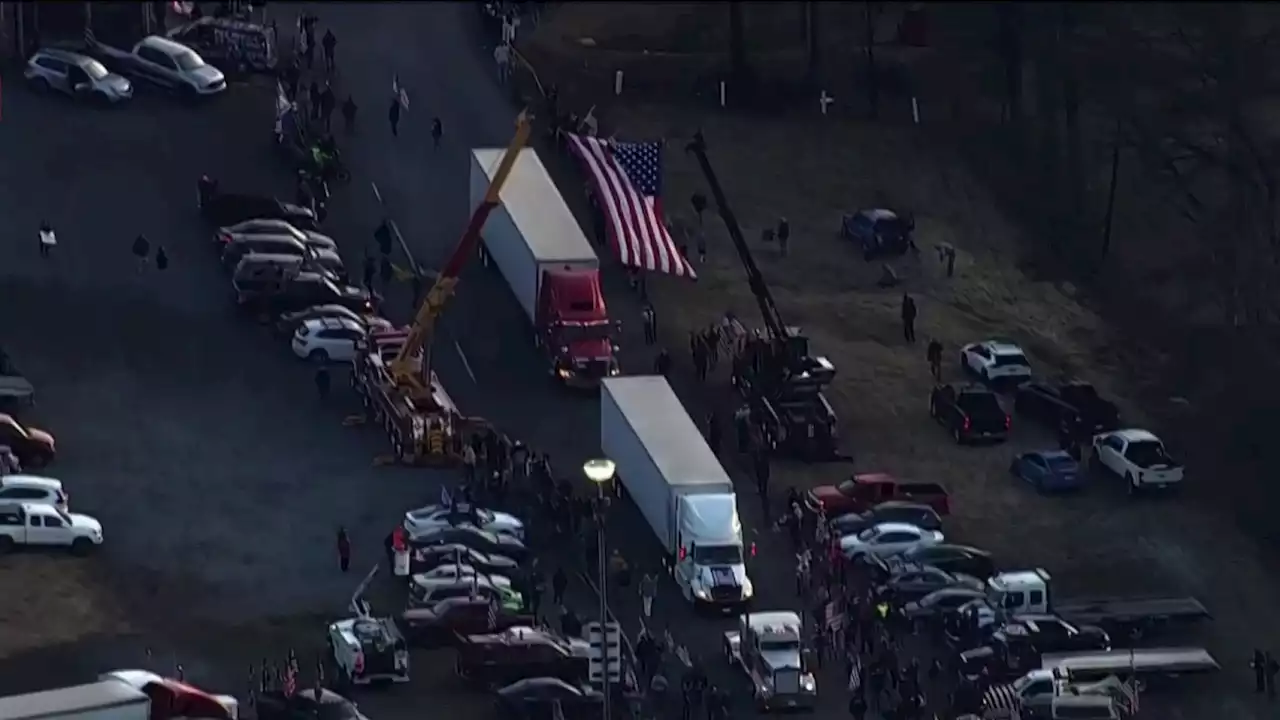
column 824, row 101
column 915, row 110
column 722, row 93
column 617, row 83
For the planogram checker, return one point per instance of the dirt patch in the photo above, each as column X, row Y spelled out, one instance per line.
column 53, row 600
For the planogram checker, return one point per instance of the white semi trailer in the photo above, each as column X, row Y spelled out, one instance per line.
column 679, row 486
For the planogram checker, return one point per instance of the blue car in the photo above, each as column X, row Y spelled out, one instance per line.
column 1048, row 470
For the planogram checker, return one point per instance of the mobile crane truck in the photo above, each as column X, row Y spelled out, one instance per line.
column 393, row 374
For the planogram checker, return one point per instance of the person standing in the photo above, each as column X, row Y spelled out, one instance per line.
column 349, row 114
column 47, row 239
column 559, row 583
column 437, row 132
column 141, row 251
column 908, row 318
column 323, row 382
column 662, row 363
column 650, row 320
column 784, row 235
column 934, row 355
column 162, row 259
column 329, row 42
column 327, row 103
column 699, row 203
column 344, row 549
column 648, row 591
column 502, row 57
column 313, row 98
column 393, row 115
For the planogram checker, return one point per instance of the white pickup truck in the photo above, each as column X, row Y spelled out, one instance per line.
column 163, row 62
column 1137, row 456
column 29, row 524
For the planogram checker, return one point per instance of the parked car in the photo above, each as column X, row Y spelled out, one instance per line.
column 888, row 539
column 424, row 559
column 943, row 601
column 33, row 447
column 233, row 46
column 33, row 489
column 1048, row 470
column 166, row 64
column 1137, row 456
column 534, row 698
column 287, row 323
column 473, row 537
column 510, row 655
column 419, row 521
column 328, row 339
column 996, row 360
column 956, row 559
column 969, row 413
column 1074, row 404
column 867, row 490
column 878, row 232
column 266, row 226
column 306, row 702
column 76, row 75
column 914, row 583
column 912, row 513
column 442, row 623
column 224, row 208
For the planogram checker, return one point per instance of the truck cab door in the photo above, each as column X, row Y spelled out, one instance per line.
column 38, row 533
column 684, row 570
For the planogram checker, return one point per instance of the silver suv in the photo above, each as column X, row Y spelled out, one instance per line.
column 76, row 75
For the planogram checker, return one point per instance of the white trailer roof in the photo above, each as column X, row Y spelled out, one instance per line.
column 69, row 700
column 659, row 419
column 536, row 207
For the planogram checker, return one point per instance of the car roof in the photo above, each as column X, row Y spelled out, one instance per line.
column 902, row 505
column 1002, row 347
column 878, row 214
column 1135, row 435
column 31, row 481
column 1052, row 454
column 164, row 45
column 898, row 527
column 331, row 322
column 69, row 56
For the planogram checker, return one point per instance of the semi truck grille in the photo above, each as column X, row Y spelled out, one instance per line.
column 726, row 592
column 786, row 681
column 596, row 368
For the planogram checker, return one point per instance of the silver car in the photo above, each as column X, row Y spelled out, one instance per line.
column 76, row 75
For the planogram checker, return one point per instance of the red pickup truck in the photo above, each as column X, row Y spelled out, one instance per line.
column 866, row 490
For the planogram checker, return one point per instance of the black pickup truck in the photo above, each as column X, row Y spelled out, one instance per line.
column 1074, row 403
column 971, row 412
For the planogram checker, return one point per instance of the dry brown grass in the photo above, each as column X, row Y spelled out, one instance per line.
column 53, row 601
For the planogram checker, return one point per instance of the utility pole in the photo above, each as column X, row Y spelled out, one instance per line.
column 1111, row 198
column 873, row 85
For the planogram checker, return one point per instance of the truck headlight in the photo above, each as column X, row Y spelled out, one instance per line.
column 701, row 594
column 563, row 373
column 748, row 589
column 807, row 683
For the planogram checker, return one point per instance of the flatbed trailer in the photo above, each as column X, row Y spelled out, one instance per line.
column 1133, row 616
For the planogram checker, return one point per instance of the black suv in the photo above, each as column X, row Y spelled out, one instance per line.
column 301, row 291
column 971, row 413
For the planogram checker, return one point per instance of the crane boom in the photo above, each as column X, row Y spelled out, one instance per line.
column 411, row 367
column 755, row 280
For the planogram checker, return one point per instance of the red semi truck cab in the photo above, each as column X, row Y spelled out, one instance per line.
column 573, row 327
column 534, row 241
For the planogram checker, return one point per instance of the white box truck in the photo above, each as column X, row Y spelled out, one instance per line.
column 542, row 253
column 682, row 491
column 104, row 700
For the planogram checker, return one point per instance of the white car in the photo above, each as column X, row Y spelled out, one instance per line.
column 30, row 524
column 33, row 489
column 423, row 520
column 454, row 572
column 995, row 360
column 271, row 226
column 888, row 539
column 328, row 339
column 1138, row 456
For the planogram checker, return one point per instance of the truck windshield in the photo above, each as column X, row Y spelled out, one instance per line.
column 575, row 332
column 779, row 646
column 189, row 61
column 717, row 555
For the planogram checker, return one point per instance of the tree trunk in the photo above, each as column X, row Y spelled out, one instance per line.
column 873, row 75
column 737, row 42
column 1010, row 41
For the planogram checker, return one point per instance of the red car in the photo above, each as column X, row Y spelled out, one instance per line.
column 864, row 491
column 445, row 622
column 519, row 652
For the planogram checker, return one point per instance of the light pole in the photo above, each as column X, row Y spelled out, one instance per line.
column 601, row 471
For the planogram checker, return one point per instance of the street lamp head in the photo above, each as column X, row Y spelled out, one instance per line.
column 599, row 470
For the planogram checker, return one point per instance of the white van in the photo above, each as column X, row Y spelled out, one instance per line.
column 33, row 489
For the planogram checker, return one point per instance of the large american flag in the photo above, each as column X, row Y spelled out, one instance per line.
column 627, row 180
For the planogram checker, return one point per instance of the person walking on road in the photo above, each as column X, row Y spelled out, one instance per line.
column 344, row 549
column 349, row 114
column 393, row 115
column 323, row 382
column 329, row 43
column 327, row 103
column 141, row 251
column 437, row 132
column 650, row 319
column 559, row 582
column 162, row 259
column 648, row 591
column 47, row 239
column 934, row 354
column 908, row 318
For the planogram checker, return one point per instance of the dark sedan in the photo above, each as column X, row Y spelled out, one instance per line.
column 915, row 583
column 474, row 538
column 951, row 558
column 430, row 557
column 221, row 209
column 521, row 652
column 314, row 703
column 897, row 511
column 443, row 623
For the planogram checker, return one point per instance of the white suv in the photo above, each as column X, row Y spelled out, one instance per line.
column 326, row 339
column 33, row 489
column 996, row 360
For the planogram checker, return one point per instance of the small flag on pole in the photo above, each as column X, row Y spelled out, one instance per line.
column 291, row 680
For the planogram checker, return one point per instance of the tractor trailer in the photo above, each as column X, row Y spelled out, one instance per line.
column 546, row 260
column 683, row 492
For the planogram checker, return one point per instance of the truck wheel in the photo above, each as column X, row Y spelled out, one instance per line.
column 6, row 544
column 81, row 547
